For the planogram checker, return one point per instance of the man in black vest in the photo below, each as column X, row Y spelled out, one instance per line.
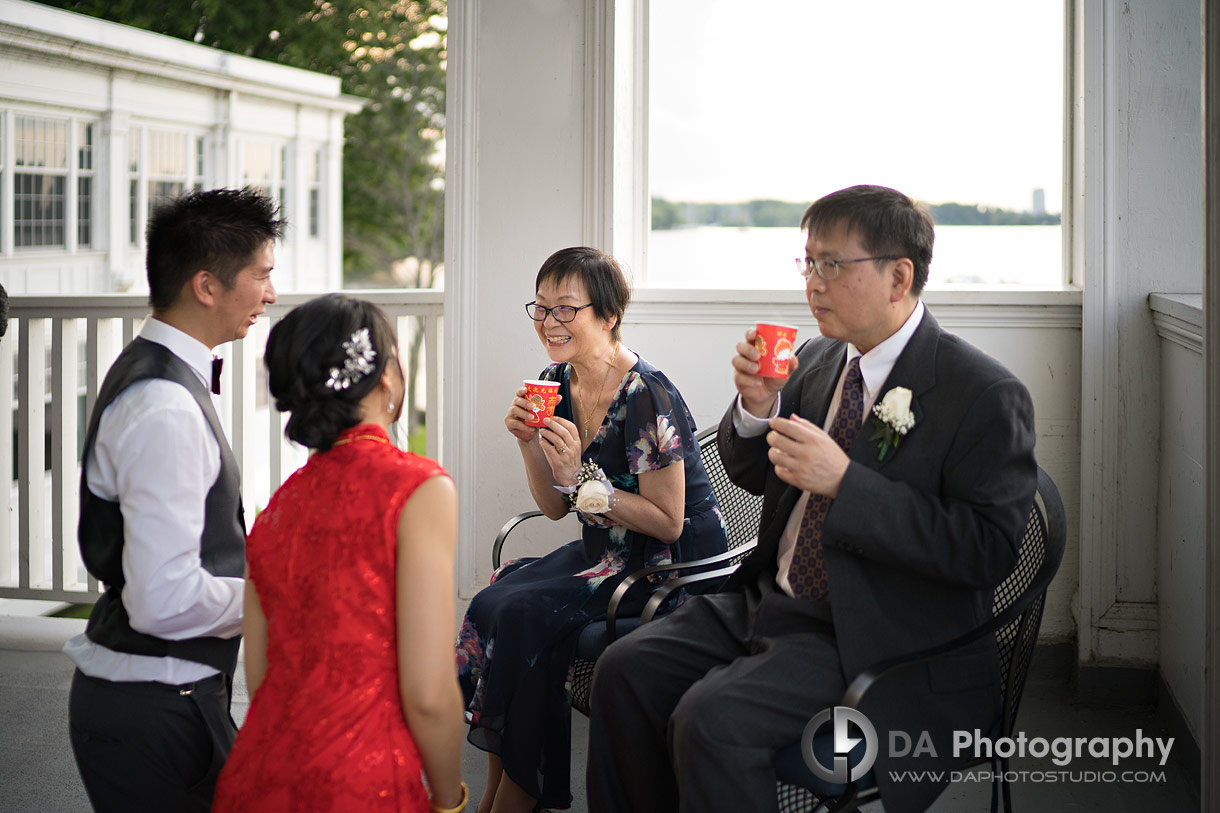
column 161, row 521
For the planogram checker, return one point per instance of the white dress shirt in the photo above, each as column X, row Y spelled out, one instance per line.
column 875, row 367
column 156, row 456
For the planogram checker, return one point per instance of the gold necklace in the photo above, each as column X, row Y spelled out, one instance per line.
column 580, row 393
column 377, row 438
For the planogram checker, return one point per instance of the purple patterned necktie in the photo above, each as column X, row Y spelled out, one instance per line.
column 807, row 575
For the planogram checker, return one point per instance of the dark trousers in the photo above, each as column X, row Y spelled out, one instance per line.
column 687, row 712
column 150, row 746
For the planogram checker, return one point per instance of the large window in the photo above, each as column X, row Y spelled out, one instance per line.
column 40, row 174
column 84, row 185
column 162, row 164
column 265, row 166
column 166, row 174
column 52, row 181
column 315, row 194
column 754, row 112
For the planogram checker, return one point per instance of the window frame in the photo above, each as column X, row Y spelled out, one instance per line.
column 141, row 174
column 71, row 172
column 629, row 20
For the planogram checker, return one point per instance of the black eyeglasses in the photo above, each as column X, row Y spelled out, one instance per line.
column 829, row 269
column 562, row 313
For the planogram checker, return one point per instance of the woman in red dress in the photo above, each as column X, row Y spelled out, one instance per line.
column 349, row 613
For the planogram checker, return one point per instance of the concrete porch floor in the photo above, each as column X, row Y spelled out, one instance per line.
column 37, row 772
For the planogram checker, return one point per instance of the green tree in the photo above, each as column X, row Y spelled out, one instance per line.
column 775, row 213
column 665, row 215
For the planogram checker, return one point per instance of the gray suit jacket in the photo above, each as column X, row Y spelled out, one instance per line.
column 915, row 544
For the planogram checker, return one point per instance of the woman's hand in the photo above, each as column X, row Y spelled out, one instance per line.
column 520, row 411
column 560, row 442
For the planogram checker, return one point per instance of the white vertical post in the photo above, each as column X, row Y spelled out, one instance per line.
column 8, row 534
column 101, row 349
column 434, row 333
column 275, row 434
column 6, row 181
column 31, row 458
column 244, row 424
column 64, row 480
column 461, row 292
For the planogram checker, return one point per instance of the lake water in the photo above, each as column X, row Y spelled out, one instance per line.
column 754, row 257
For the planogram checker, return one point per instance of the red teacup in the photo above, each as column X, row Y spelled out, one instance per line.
column 543, row 396
column 776, row 344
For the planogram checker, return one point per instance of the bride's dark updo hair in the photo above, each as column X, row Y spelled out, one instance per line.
column 303, row 348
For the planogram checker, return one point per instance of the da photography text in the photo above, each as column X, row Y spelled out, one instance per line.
column 832, row 735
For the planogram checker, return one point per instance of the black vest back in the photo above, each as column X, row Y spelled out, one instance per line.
column 100, row 532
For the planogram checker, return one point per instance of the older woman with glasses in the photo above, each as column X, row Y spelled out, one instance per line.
column 620, row 450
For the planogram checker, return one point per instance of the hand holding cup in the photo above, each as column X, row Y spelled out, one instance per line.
column 534, row 402
column 758, row 364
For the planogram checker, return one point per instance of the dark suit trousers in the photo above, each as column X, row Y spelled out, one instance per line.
column 150, row 746
column 688, row 711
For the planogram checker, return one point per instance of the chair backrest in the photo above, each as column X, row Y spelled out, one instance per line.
column 1039, row 556
column 740, row 508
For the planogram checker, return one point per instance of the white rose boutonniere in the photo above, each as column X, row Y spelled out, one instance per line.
column 593, row 492
column 894, row 412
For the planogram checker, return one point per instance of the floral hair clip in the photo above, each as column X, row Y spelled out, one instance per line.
column 357, row 365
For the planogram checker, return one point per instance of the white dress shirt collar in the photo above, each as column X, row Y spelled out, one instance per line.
column 876, row 364
column 186, row 347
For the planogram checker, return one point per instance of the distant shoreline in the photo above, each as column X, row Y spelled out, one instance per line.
column 667, row 215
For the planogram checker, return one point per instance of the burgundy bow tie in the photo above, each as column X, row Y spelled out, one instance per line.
column 217, row 363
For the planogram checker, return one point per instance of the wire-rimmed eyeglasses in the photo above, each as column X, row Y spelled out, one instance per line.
column 562, row 313
column 829, row 269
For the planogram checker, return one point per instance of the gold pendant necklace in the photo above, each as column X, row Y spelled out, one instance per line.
column 580, row 393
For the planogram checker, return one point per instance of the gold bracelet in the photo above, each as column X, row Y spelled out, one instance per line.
column 460, row 806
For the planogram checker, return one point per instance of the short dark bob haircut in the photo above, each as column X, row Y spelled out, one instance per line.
column 603, row 278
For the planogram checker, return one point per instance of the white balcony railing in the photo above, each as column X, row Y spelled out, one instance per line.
column 56, row 353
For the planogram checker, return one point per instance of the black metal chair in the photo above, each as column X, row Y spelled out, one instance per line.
column 740, row 509
column 1017, row 614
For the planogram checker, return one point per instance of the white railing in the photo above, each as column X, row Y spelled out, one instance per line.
column 56, row 353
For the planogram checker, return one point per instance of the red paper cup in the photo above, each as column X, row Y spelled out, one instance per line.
column 777, row 345
column 543, row 396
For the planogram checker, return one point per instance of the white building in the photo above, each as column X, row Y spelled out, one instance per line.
column 98, row 121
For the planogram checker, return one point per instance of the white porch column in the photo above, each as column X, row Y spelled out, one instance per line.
column 517, row 191
column 1138, row 226
column 114, row 207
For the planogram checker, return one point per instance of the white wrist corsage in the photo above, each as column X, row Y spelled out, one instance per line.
column 593, row 492
column 894, row 411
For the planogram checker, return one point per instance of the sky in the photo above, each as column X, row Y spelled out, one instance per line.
column 945, row 100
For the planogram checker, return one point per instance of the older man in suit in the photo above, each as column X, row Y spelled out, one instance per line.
column 878, row 537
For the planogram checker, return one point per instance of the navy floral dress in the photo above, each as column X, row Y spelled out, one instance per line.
column 518, row 640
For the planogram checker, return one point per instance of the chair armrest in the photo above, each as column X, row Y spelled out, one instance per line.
column 504, row 532
column 626, row 584
column 662, row 593
column 863, row 681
